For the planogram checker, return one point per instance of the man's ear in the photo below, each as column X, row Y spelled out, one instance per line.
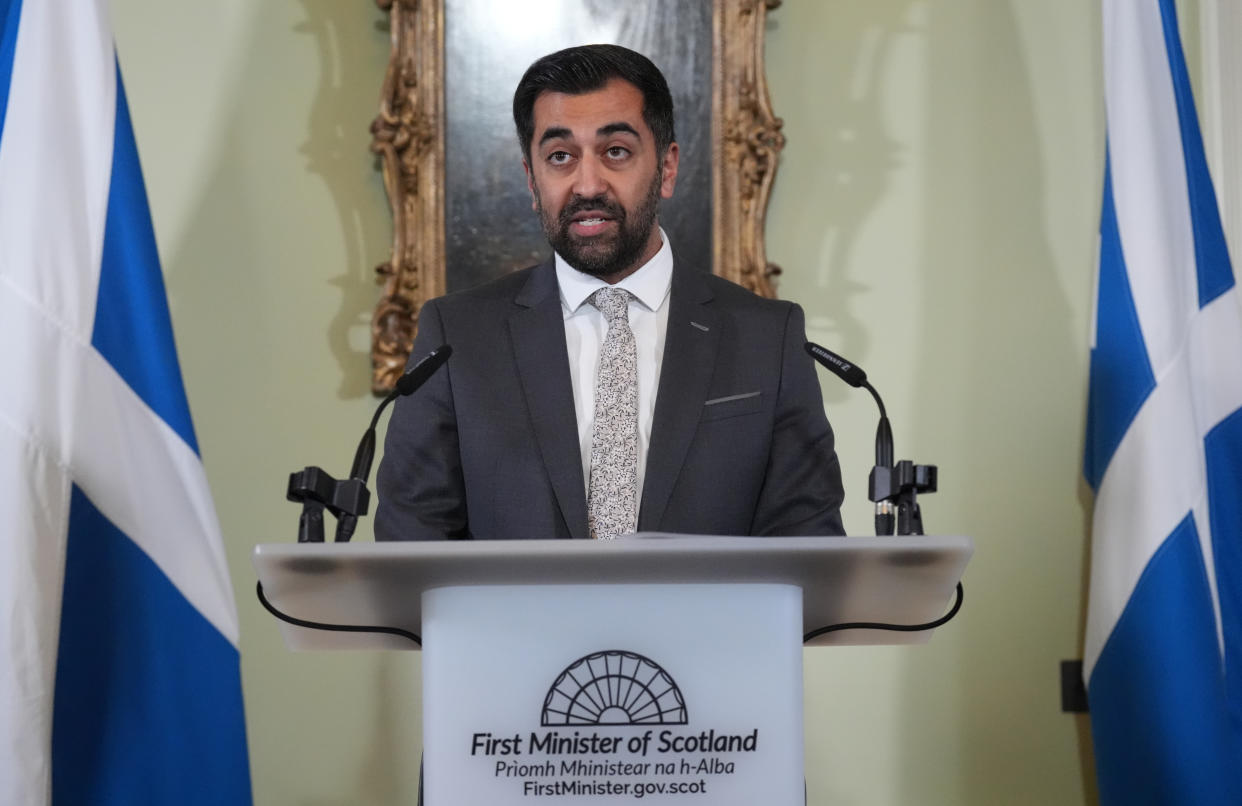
column 530, row 186
column 668, row 165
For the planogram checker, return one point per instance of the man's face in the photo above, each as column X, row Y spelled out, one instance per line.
column 596, row 179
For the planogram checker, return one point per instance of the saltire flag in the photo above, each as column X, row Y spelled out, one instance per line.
column 119, row 668
column 1163, row 443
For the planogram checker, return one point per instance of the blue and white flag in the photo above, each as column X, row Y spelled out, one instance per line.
column 1164, row 442
column 119, row 668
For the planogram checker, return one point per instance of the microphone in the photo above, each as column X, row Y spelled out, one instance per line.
column 407, row 384
column 845, row 370
column 417, row 375
column 853, row 375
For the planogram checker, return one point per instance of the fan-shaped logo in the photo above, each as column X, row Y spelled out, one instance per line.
column 614, row 688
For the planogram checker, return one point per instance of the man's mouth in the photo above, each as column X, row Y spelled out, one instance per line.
column 590, row 223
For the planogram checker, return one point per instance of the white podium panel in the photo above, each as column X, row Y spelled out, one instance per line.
column 671, row 694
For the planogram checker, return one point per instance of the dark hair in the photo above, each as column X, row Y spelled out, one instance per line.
column 587, row 68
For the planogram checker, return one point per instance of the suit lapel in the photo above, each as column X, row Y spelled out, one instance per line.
column 538, row 332
column 686, row 372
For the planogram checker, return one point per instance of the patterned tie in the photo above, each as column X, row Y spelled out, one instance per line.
column 612, row 500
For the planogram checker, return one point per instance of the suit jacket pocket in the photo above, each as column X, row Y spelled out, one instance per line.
column 719, row 408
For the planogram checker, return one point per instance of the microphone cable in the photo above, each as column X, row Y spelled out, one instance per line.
column 319, row 625
column 870, row 625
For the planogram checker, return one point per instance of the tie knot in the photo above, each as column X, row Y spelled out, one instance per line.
column 613, row 303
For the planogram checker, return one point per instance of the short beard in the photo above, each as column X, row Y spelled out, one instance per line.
column 597, row 257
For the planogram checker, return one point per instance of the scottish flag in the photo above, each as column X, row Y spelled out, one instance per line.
column 1164, row 442
column 119, row 678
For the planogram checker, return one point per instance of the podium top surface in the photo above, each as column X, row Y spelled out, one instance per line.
column 897, row 580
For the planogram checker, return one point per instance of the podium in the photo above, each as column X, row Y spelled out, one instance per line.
column 666, row 668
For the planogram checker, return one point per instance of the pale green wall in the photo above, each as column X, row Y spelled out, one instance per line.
column 251, row 119
column 935, row 213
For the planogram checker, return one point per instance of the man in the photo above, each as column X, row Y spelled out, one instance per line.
column 612, row 388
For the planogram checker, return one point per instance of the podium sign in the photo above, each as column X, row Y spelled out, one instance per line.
column 668, row 693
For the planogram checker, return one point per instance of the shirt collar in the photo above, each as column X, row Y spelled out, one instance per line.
column 650, row 284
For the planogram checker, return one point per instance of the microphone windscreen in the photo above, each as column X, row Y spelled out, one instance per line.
column 420, row 372
column 846, row 371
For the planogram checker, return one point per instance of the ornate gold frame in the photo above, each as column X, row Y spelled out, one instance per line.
column 408, row 136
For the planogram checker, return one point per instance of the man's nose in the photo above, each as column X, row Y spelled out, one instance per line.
column 590, row 181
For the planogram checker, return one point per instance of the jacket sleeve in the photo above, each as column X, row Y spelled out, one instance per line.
column 422, row 494
column 802, row 490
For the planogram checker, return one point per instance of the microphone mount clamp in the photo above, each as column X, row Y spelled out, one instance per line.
column 895, row 490
column 347, row 500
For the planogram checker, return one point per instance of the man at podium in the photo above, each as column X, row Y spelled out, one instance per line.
column 614, row 387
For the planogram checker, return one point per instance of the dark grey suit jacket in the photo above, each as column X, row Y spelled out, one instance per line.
column 489, row 447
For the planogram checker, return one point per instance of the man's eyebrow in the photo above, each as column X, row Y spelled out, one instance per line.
column 555, row 133
column 614, row 128
column 608, row 129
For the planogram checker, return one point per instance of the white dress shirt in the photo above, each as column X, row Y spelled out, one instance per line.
column 585, row 328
